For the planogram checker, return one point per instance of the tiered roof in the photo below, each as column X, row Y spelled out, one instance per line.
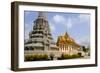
column 66, row 39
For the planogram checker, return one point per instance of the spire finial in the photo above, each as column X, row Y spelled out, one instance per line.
column 42, row 14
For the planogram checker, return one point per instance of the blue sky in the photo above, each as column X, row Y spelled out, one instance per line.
column 76, row 24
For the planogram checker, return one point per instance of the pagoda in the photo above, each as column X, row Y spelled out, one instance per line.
column 40, row 38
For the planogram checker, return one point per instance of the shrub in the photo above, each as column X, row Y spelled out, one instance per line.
column 45, row 57
column 36, row 57
column 66, row 56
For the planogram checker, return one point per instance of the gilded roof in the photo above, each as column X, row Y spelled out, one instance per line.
column 66, row 39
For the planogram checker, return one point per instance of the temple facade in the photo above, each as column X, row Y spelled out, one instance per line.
column 67, row 45
column 41, row 41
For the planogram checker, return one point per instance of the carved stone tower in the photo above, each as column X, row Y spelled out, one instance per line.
column 40, row 37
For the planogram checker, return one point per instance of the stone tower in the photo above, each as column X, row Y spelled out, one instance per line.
column 40, row 37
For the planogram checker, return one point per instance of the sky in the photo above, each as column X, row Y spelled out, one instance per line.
column 77, row 25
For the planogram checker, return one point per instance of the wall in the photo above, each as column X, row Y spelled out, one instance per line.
column 5, row 34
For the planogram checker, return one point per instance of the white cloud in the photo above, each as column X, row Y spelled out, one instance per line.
column 83, row 18
column 59, row 19
column 69, row 23
column 84, row 41
column 52, row 27
column 28, row 28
